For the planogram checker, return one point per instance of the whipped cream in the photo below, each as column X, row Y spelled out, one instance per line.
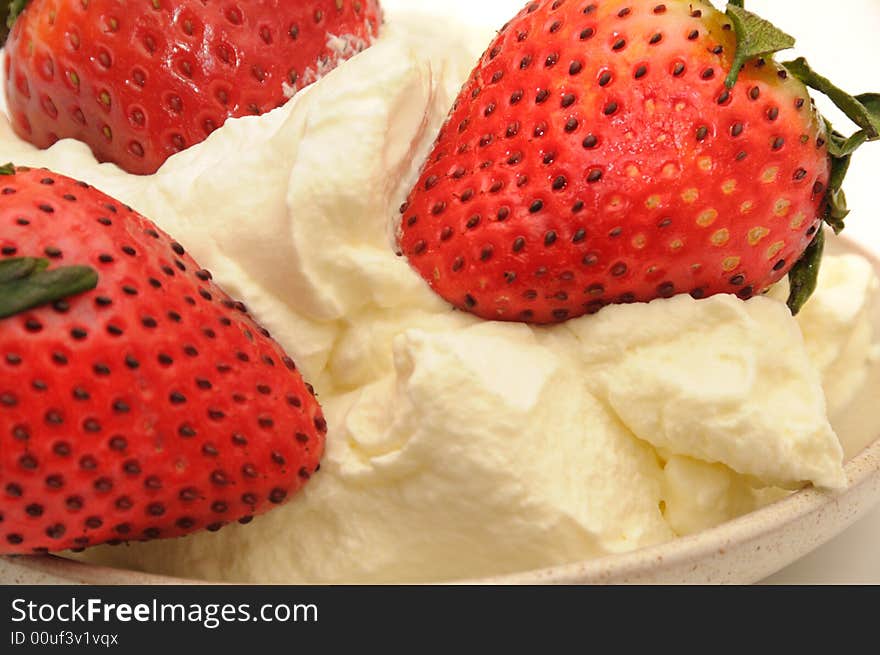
column 836, row 324
column 461, row 448
column 722, row 381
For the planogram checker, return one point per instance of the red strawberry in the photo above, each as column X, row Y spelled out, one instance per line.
column 596, row 156
column 138, row 84
column 149, row 407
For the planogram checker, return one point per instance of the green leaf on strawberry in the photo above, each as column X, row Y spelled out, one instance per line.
column 864, row 111
column 20, row 267
column 756, row 37
column 840, row 150
column 13, row 11
column 25, row 284
column 804, row 277
column 9, row 11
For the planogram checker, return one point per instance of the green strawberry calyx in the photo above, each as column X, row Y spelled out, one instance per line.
column 804, row 276
column 757, row 38
column 9, row 11
column 863, row 110
column 15, row 8
column 26, row 283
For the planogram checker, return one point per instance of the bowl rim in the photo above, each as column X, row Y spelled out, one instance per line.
column 861, row 470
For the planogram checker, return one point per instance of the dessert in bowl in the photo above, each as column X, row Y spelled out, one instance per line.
column 459, row 447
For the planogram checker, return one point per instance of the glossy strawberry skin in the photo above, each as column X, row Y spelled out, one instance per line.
column 140, row 84
column 596, row 157
column 150, row 407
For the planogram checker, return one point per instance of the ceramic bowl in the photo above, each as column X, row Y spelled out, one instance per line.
column 742, row 551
